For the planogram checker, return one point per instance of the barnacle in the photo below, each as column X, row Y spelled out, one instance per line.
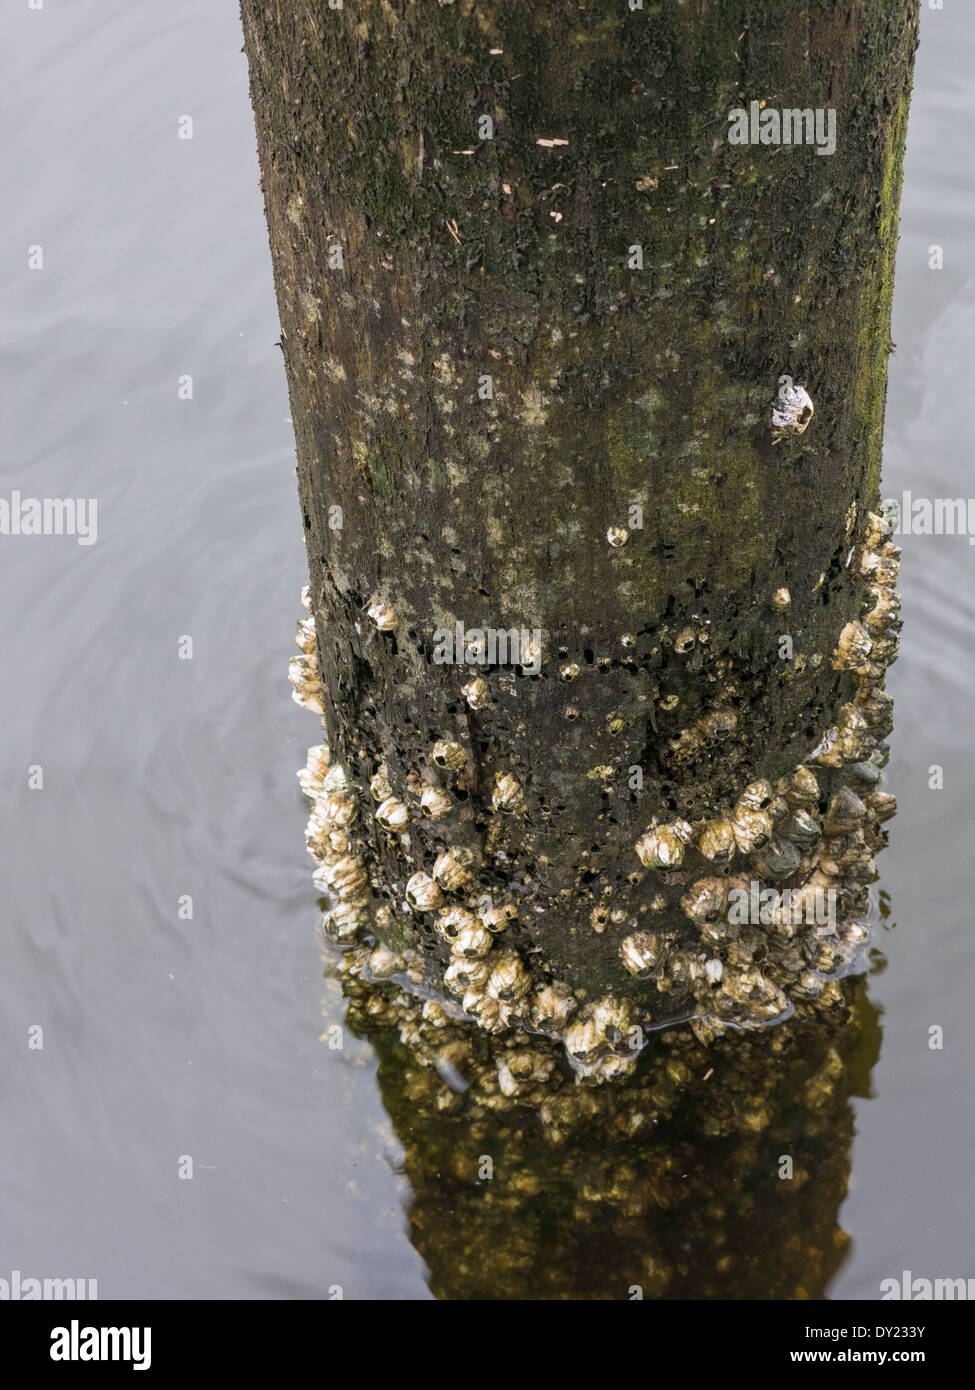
column 685, row 640
column 453, row 921
column 435, row 803
column 305, row 636
column 551, row 1007
column 472, row 942
column 337, row 808
column 717, row 840
column 617, row 536
column 312, row 775
column 662, row 846
column 393, row 814
column 347, row 879
column 491, row 1014
column 569, row 671
column 776, row 860
column 476, row 693
column 882, row 805
column 344, row 923
column 751, row 829
column 448, row 754
column 509, row 980
column 379, row 786
column 381, row 614
column 496, row 919
column 507, row 794
column 304, row 677
column 641, row 953
column 463, row 975
column 583, row 1041
column 800, row 788
column 705, row 900
column 792, row 411
column 756, row 796
column 423, row 894
column 452, row 868
column 781, row 599
column 520, row 1069
column 801, row 828
column 844, row 813
column 853, row 647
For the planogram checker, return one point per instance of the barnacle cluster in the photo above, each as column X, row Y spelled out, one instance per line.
column 741, row 937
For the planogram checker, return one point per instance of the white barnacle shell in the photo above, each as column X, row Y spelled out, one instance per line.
column 393, row 814
column 305, row 637
column 448, row 754
column 705, row 901
column 509, row 980
column 854, row 646
column 306, row 682
column 435, row 803
column 452, row 868
column 381, row 614
column 306, row 598
column 337, row 808
column 662, row 846
column 476, row 693
column 496, row 919
column 379, row 786
column 423, row 893
column 751, row 829
column 641, row 953
column 462, row 975
column 757, row 796
column 312, row 775
column 569, row 672
column 491, row 1014
column 507, row 794
column 472, row 942
column 348, row 880
column 685, row 640
column 617, row 536
column 792, row 411
column 344, row 923
column 717, row 840
column 613, row 1017
column 781, row 599
column 551, row 1007
column 583, row 1041
column 453, row 921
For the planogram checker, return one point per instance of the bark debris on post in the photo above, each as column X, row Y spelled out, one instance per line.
column 575, row 364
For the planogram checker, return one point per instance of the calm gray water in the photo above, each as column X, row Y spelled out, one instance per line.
column 165, row 777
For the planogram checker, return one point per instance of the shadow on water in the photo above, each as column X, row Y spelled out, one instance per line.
column 716, row 1172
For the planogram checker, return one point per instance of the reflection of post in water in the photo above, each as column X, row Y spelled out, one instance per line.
column 715, row 1171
